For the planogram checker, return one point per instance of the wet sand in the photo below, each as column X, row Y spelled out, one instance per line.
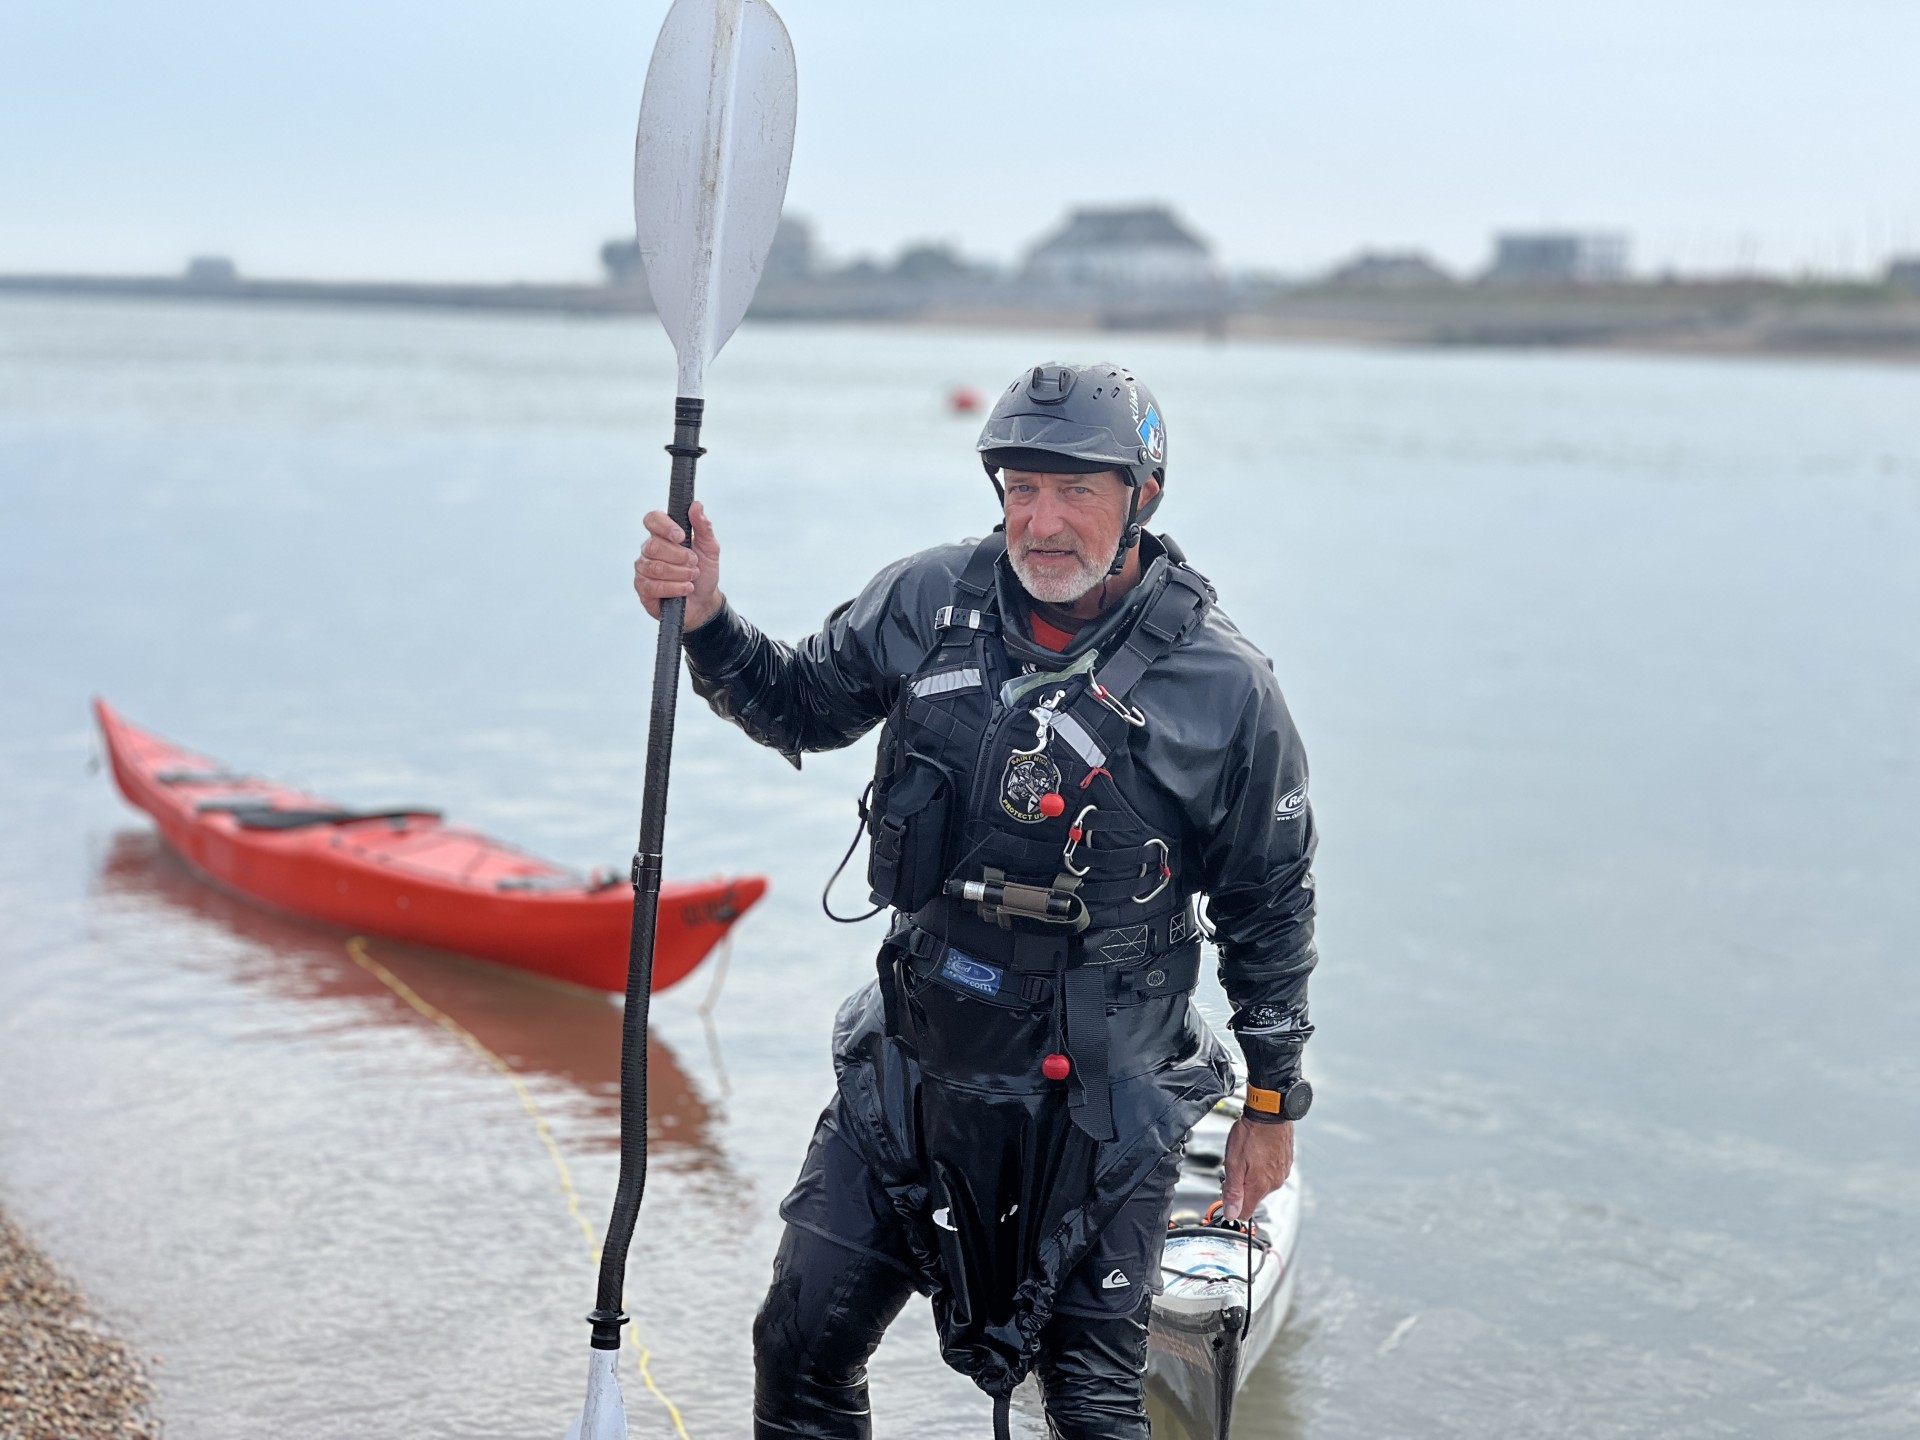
column 62, row 1375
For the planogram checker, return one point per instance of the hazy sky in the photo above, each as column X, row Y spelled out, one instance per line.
column 428, row 138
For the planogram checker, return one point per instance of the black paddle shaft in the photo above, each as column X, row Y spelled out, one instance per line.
column 607, row 1317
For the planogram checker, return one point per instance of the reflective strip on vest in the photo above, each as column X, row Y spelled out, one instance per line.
column 1080, row 738
column 945, row 682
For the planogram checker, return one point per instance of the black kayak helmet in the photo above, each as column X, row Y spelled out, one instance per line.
column 1076, row 420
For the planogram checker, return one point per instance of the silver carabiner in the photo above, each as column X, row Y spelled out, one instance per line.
column 1166, row 873
column 1114, row 703
column 1043, row 716
column 1076, row 832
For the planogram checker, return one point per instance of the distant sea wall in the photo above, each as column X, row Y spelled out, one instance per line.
column 546, row 299
column 1733, row 318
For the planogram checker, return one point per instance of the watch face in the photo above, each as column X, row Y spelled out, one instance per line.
column 1297, row 1101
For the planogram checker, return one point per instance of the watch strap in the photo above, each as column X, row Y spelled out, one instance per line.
column 1277, row 1107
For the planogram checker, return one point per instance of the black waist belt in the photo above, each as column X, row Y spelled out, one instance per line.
column 1032, row 946
column 1019, row 988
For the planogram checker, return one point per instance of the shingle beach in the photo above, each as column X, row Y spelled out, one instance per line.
column 62, row 1376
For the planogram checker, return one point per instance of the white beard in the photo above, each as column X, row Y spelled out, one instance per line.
column 1057, row 589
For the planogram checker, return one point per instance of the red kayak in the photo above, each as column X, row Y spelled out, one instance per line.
column 405, row 874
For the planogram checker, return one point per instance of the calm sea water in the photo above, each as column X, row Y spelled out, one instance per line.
column 1610, row 672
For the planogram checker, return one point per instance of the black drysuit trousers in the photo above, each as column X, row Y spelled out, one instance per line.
column 832, row 1299
column 829, row 1306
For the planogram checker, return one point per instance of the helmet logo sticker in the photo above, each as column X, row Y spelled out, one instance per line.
column 1153, row 435
column 1030, row 774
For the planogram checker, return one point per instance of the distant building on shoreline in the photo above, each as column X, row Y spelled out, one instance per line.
column 1388, row 270
column 1558, row 257
column 792, row 255
column 931, row 262
column 621, row 260
column 1141, row 247
column 1903, row 272
column 211, row 272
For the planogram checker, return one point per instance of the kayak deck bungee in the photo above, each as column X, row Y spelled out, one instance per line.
column 1224, row 1293
column 406, row 874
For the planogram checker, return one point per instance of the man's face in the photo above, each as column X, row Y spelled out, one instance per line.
column 1062, row 530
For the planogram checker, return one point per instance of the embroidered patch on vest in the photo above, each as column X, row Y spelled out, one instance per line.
column 972, row 974
column 1030, row 774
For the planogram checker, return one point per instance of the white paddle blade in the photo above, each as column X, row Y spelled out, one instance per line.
column 604, row 1416
column 710, row 168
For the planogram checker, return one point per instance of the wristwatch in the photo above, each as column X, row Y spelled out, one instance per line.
column 1270, row 1107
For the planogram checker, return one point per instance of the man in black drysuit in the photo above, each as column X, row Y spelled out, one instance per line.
column 1077, row 743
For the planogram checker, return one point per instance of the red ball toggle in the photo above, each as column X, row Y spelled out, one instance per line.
column 1056, row 1067
column 1051, row 804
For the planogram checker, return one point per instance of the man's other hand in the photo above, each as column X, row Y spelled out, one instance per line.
column 1259, row 1158
column 668, row 567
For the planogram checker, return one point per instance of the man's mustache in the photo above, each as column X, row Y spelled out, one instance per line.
column 1065, row 547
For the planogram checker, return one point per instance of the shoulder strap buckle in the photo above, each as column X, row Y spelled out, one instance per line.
column 1184, row 574
column 952, row 617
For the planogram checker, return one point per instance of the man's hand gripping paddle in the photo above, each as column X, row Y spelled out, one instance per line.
column 709, row 176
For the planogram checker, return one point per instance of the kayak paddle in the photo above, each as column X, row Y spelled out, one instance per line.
column 709, row 176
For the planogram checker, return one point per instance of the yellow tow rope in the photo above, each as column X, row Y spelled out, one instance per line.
column 357, row 949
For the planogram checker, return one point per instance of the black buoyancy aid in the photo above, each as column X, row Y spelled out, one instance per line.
column 941, row 1063
column 1035, row 868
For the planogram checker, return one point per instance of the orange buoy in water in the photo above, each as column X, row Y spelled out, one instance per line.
column 963, row 400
